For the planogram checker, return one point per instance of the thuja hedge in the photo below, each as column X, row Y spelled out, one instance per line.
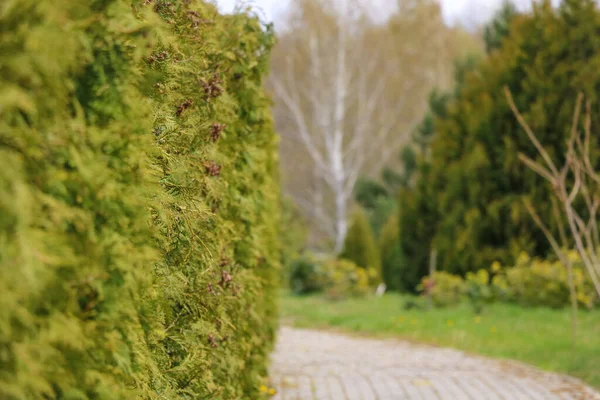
column 138, row 203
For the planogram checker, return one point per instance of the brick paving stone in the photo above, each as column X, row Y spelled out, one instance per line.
column 309, row 364
column 321, row 391
column 336, row 390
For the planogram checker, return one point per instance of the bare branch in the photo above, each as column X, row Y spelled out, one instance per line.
column 529, row 132
column 577, row 166
column 555, row 246
column 537, row 168
column 566, row 261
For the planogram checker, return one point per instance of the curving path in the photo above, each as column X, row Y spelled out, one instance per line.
column 309, row 364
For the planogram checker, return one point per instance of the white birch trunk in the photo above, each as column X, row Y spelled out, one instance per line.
column 333, row 94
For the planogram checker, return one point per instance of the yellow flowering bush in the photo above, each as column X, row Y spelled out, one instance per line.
column 444, row 288
column 530, row 282
column 337, row 279
column 478, row 289
column 539, row 282
column 345, row 279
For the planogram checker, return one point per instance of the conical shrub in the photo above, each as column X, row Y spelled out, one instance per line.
column 360, row 246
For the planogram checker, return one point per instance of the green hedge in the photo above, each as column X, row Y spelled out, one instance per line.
column 139, row 201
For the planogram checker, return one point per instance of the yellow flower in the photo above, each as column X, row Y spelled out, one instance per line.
column 496, row 266
column 450, row 322
column 493, row 329
column 413, row 321
column 477, row 319
column 263, row 389
column 401, row 318
column 272, row 391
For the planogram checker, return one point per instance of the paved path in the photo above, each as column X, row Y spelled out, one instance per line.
column 319, row 365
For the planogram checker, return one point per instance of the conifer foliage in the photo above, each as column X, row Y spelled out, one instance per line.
column 467, row 202
column 392, row 258
column 360, row 246
column 139, row 205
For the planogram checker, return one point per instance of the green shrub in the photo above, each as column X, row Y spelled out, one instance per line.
column 360, row 247
column 532, row 282
column 538, row 282
column 139, row 210
column 499, row 285
column 478, row 289
column 392, row 258
column 443, row 288
column 306, row 276
column 345, row 279
column 337, row 279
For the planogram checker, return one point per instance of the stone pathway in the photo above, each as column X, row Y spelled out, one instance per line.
column 316, row 365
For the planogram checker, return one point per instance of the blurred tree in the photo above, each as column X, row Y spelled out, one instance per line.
column 405, row 184
column 348, row 92
column 292, row 231
column 467, row 199
column 392, row 258
column 498, row 29
column 369, row 191
column 359, row 246
column 379, row 198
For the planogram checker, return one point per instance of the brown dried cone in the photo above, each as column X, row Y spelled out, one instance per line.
column 216, row 131
column 212, row 168
column 184, row 106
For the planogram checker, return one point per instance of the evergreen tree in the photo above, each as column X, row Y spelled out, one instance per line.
column 499, row 28
column 425, row 130
column 417, row 208
column 418, row 216
column 470, row 204
column 368, row 192
column 392, row 260
column 360, row 246
column 379, row 198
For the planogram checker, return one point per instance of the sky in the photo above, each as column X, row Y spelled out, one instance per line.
column 469, row 12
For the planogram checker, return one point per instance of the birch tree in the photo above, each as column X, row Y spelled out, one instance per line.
column 348, row 92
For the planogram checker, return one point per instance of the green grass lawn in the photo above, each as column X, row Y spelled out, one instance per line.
column 537, row 336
